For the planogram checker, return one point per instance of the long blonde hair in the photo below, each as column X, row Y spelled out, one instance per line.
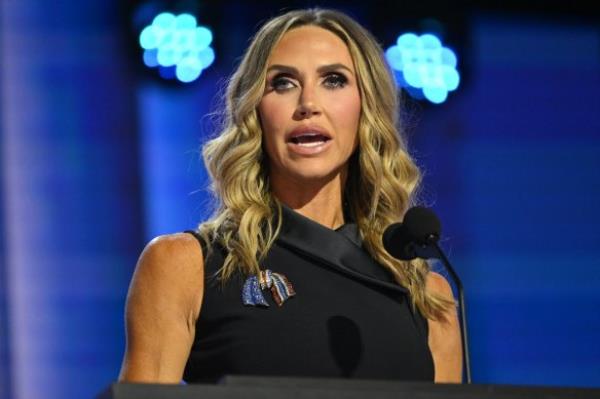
column 382, row 177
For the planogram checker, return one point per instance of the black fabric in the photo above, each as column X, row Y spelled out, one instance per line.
column 349, row 317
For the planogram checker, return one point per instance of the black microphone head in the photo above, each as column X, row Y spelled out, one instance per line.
column 398, row 242
column 422, row 224
column 420, row 227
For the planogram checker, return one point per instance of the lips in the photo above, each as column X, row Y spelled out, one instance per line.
column 308, row 140
column 308, row 136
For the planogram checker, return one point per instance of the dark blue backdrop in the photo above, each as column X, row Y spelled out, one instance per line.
column 98, row 157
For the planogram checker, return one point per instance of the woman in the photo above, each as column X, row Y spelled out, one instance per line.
column 309, row 170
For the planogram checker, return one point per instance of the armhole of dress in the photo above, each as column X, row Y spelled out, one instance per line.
column 419, row 319
column 200, row 240
column 425, row 324
column 189, row 368
column 212, row 257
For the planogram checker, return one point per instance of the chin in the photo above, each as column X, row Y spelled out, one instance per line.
column 316, row 173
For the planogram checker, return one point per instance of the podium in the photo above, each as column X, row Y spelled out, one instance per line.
column 247, row 387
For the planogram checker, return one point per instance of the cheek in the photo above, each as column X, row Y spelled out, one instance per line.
column 347, row 115
column 269, row 115
column 272, row 116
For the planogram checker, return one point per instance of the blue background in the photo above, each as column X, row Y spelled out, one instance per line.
column 98, row 156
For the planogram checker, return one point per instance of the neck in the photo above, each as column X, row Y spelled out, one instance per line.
column 320, row 201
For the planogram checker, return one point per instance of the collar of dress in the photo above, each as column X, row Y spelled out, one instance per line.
column 339, row 249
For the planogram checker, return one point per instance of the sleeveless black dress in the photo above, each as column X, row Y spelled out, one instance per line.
column 349, row 318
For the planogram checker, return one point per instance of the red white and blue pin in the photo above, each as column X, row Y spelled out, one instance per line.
column 281, row 289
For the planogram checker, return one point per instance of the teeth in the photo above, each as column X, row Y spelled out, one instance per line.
column 309, row 139
column 313, row 144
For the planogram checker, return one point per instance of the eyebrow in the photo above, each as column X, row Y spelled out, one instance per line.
column 322, row 69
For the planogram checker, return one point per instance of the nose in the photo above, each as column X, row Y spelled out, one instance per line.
column 308, row 104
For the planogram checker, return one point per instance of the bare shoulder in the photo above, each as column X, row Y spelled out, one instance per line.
column 438, row 284
column 179, row 250
column 172, row 266
column 163, row 304
column 171, row 269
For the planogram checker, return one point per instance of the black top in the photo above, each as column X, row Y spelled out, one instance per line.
column 349, row 318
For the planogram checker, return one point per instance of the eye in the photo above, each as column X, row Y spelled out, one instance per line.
column 335, row 81
column 281, row 83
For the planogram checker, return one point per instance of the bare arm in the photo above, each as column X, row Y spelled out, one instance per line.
column 444, row 336
column 163, row 305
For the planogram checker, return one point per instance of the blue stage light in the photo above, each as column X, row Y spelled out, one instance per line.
column 206, row 56
column 423, row 66
column 189, row 69
column 150, row 58
column 202, row 38
column 177, row 44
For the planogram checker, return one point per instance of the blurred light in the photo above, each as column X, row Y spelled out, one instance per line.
column 423, row 66
column 177, row 46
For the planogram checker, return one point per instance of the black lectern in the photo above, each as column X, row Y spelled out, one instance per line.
column 243, row 387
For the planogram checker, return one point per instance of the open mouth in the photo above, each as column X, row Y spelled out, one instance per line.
column 310, row 139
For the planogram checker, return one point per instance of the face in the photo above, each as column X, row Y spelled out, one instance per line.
column 311, row 106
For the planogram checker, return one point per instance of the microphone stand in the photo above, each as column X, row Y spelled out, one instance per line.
column 432, row 250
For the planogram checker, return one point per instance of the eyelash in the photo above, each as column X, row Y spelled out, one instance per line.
column 280, row 80
column 332, row 81
column 336, row 80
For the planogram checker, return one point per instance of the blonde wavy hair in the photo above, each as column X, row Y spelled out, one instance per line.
column 382, row 177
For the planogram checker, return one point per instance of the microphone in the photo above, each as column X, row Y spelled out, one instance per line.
column 412, row 238
column 417, row 237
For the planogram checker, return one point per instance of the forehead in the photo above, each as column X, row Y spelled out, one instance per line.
column 311, row 44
